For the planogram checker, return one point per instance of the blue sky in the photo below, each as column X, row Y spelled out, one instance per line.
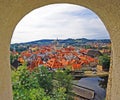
column 60, row 21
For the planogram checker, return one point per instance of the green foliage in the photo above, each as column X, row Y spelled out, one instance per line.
column 88, row 47
column 104, row 61
column 31, row 94
column 26, row 86
column 59, row 94
column 19, row 47
column 13, row 58
column 45, row 79
column 38, row 84
column 64, row 80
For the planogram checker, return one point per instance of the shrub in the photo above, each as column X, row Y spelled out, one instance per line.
column 26, row 86
column 38, row 84
column 104, row 61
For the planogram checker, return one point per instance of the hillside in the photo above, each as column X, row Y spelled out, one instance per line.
column 65, row 42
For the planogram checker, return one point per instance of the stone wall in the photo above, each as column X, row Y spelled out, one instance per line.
column 12, row 11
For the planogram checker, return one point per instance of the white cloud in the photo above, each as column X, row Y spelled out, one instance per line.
column 59, row 21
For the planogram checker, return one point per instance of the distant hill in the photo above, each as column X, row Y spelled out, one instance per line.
column 69, row 40
column 66, row 42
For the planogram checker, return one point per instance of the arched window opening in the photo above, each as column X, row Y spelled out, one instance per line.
column 60, row 42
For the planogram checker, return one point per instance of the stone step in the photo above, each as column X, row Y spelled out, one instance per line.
column 83, row 92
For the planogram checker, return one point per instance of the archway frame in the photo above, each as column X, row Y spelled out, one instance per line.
column 12, row 11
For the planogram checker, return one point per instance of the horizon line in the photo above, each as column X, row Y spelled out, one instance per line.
column 60, row 39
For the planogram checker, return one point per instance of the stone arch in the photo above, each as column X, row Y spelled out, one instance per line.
column 12, row 11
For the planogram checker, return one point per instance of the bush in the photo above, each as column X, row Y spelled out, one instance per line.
column 38, row 84
column 59, row 94
column 26, row 85
column 63, row 80
column 104, row 61
column 45, row 79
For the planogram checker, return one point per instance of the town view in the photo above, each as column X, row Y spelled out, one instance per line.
column 60, row 68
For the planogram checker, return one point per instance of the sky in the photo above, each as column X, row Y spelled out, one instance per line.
column 59, row 21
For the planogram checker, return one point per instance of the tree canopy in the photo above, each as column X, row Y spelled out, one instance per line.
column 105, row 61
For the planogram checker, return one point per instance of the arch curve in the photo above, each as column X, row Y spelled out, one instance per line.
column 13, row 11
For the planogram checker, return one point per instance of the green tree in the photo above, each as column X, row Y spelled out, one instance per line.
column 13, row 58
column 104, row 61
column 26, row 86
column 45, row 79
column 64, row 80
column 59, row 94
column 38, row 84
